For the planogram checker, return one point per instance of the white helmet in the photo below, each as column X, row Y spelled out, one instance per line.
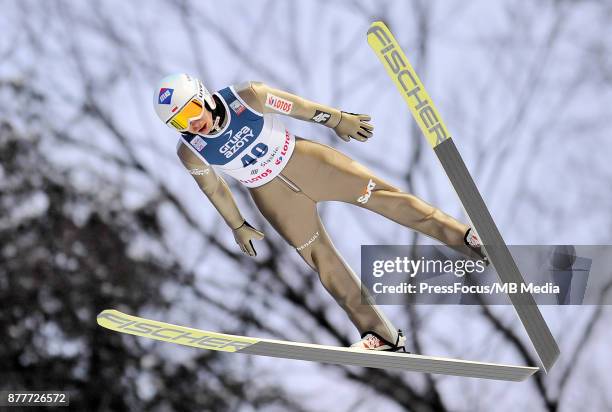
column 179, row 98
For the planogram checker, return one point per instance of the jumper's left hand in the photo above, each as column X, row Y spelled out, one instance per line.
column 354, row 126
column 244, row 236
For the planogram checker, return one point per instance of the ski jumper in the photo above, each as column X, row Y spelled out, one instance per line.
column 299, row 173
column 252, row 147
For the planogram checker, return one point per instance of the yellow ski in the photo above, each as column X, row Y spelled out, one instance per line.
column 167, row 332
column 421, row 106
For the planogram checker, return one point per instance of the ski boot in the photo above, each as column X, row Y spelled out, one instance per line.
column 373, row 341
column 472, row 241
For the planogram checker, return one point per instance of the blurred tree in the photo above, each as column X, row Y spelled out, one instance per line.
column 64, row 256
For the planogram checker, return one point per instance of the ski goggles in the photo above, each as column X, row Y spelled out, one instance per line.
column 194, row 109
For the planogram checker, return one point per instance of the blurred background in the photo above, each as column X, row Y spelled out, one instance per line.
column 97, row 212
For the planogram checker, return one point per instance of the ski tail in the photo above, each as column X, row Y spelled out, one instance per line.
column 498, row 253
column 421, row 106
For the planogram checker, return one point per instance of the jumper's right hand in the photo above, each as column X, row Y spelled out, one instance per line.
column 244, row 235
column 354, row 126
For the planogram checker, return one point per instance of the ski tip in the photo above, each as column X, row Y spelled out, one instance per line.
column 102, row 318
column 377, row 26
column 378, row 23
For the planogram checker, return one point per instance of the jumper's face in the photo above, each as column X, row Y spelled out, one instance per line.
column 202, row 124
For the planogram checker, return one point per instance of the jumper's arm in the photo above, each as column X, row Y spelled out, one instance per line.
column 219, row 194
column 213, row 186
column 267, row 99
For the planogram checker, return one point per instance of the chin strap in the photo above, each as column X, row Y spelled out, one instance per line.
column 215, row 126
column 218, row 113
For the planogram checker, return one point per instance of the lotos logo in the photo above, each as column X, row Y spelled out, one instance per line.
column 284, row 148
column 165, row 95
column 367, row 193
column 260, row 176
column 279, row 104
